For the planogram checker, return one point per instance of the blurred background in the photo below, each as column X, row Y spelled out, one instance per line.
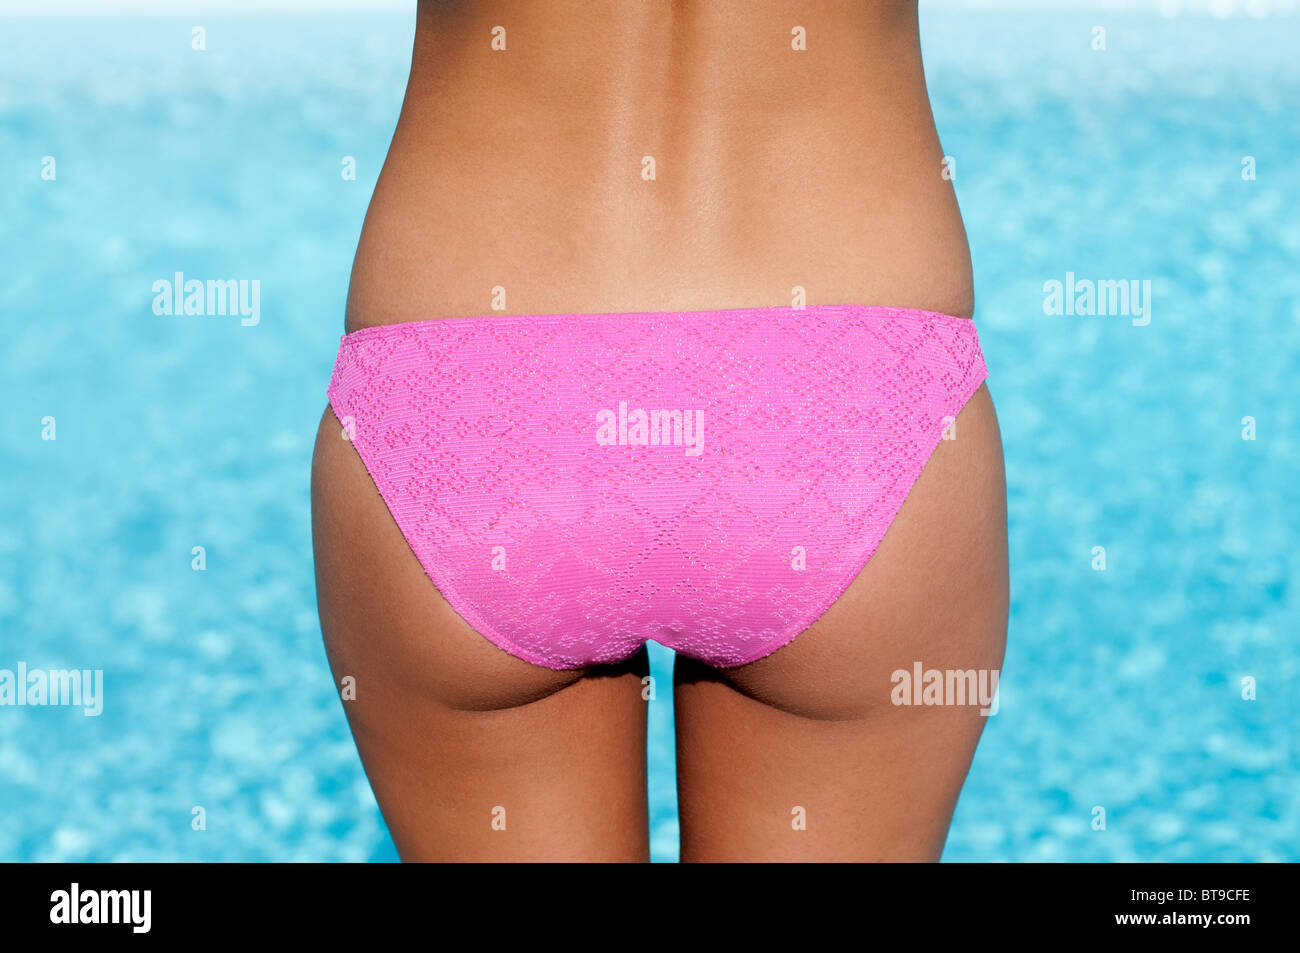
column 1166, row 153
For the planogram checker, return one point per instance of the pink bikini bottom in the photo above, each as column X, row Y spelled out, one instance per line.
column 712, row 480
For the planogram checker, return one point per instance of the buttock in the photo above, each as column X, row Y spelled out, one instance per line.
column 575, row 485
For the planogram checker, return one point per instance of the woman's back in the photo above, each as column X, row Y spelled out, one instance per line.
column 629, row 156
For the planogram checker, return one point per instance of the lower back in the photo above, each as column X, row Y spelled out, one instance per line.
column 633, row 156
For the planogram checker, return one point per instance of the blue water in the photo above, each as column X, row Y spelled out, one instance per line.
column 1122, row 688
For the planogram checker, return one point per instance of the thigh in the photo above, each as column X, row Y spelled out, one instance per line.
column 803, row 755
column 472, row 754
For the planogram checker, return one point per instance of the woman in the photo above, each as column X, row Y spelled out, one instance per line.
column 658, row 321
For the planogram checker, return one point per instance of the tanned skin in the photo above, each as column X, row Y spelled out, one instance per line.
column 774, row 169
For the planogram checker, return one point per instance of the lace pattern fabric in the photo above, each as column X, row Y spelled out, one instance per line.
column 714, row 480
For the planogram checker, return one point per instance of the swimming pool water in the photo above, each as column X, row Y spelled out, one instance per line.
column 1122, row 688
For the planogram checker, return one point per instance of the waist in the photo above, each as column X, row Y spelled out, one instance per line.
column 672, row 173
